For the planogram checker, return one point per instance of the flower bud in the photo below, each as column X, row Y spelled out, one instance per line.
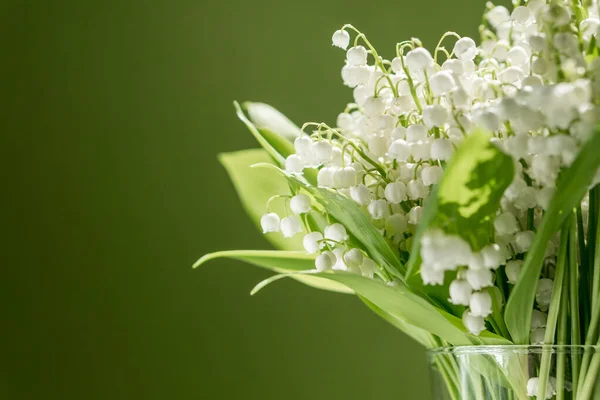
column 341, row 39
column 481, row 304
column 460, row 292
column 336, row 232
column 361, row 194
column 474, row 324
column 395, row 192
column 357, row 56
column 270, row 223
column 513, row 269
column 312, row 242
column 379, row 209
column 325, row 261
column 290, row 226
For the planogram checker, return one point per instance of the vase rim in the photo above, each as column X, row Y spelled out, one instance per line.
column 513, row 348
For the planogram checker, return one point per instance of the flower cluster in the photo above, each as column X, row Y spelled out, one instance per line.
column 530, row 82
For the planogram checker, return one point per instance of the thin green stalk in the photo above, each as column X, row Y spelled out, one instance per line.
column 591, row 377
column 555, row 303
column 444, row 370
column 596, row 271
column 573, row 300
column 562, row 340
column 590, row 339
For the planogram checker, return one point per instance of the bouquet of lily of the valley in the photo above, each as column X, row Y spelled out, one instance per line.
column 457, row 195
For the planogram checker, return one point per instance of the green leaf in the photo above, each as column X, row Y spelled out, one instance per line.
column 358, row 225
column 572, row 186
column 401, row 303
column 280, row 262
column 267, row 118
column 254, row 188
column 276, row 146
column 467, row 196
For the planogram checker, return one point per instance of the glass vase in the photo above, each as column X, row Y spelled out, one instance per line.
column 515, row 372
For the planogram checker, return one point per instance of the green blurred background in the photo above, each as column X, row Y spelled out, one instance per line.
column 113, row 113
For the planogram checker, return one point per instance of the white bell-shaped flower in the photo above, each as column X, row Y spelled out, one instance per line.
column 460, row 292
column 290, row 226
column 538, row 319
column 441, row 149
column 368, row 267
column 270, row 222
column 294, row 164
column 520, row 14
column 419, row 59
column 497, row 16
column 303, row 145
column 353, row 258
column 481, row 304
column 416, row 132
column 421, row 150
column 322, row 151
column 357, row 55
column 340, row 263
column 537, row 336
column 465, row 49
column 533, row 387
column 431, row 276
column 361, row 194
column 544, row 196
column 480, row 278
column 506, row 224
column 395, row 192
column 397, row 65
column 374, row 107
column 396, row 224
column 414, row 215
column 399, row 150
column 435, row 115
column 474, row 324
column 325, row 261
column 431, row 175
column 300, row 204
column 512, row 270
column 379, row 209
column 441, row 83
column 341, row 39
column 325, row 176
column 378, row 145
column 399, row 133
column 456, row 67
column 336, row 232
column 344, row 178
column 416, row 190
column 524, row 240
column 543, row 292
column 313, row 242
column 589, row 27
column 493, row 256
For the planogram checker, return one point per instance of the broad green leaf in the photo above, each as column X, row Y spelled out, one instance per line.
column 254, row 188
column 358, row 225
column 572, row 185
column 280, row 262
column 421, row 336
column 266, row 117
column 276, row 146
column 413, row 310
column 468, row 195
